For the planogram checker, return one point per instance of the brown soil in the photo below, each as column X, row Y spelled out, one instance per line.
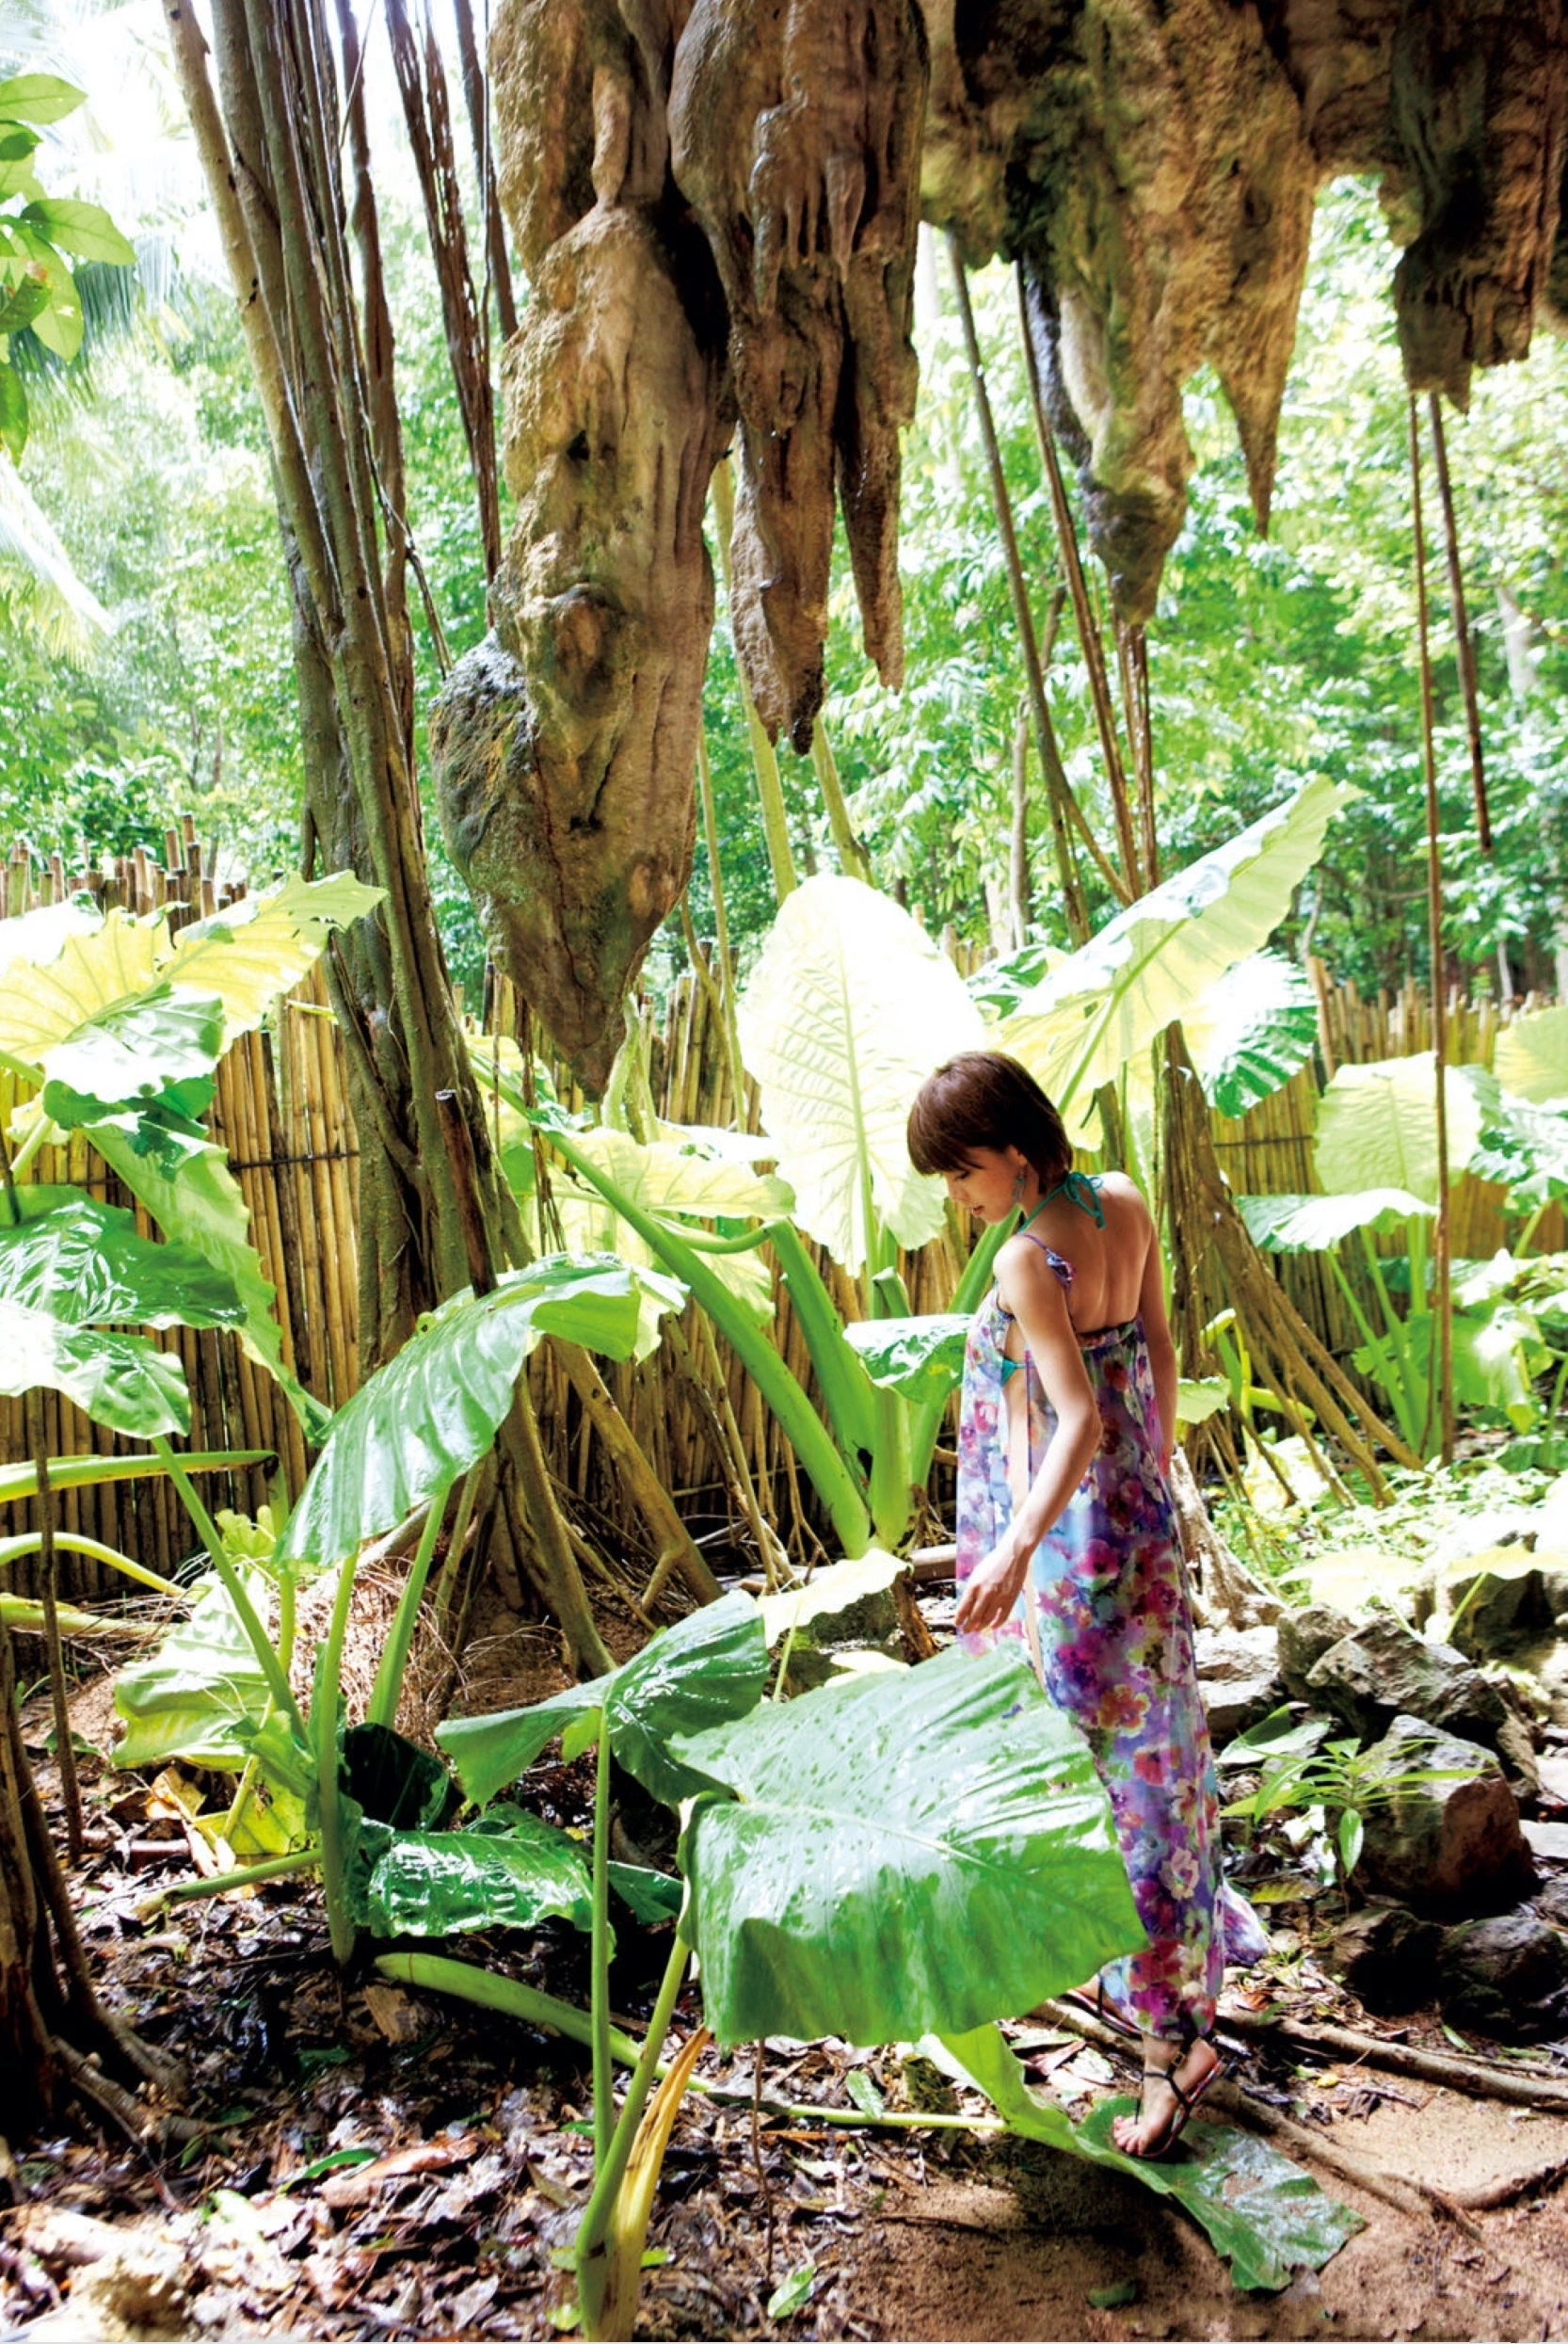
column 907, row 2234
column 1018, row 2252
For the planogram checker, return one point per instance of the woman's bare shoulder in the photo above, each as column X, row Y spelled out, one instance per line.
column 1125, row 1191
column 1027, row 1270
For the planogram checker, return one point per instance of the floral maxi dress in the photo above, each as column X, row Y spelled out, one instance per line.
column 1107, row 1620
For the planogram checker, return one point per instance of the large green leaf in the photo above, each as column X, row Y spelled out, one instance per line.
column 120, row 1381
column 1497, row 1353
column 199, row 1203
column 434, row 1409
column 187, row 1698
column 673, row 1183
column 1266, row 2216
column 65, row 975
column 849, row 1008
column 164, row 1039
column 1312, row 1224
column 39, row 98
column 1251, row 1031
column 510, row 1872
column 923, row 1849
column 1104, row 1005
column 85, row 1263
column 921, row 1358
column 1524, row 1144
column 1531, row 1056
column 711, row 1666
column 256, row 949
column 1377, row 1125
column 61, row 975
column 829, row 1593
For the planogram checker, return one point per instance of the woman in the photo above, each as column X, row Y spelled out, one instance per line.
column 1067, row 1536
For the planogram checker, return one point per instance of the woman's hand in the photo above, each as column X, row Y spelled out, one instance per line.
column 992, row 1587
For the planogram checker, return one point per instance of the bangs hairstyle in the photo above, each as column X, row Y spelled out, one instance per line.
column 984, row 1099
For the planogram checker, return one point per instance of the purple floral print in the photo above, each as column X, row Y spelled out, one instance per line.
column 1107, row 1597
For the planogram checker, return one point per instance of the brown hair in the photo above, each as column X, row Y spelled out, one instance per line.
column 984, row 1099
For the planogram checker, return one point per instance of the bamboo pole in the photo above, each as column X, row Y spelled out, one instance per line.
column 1465, row 645
column 1061, row 806
column 1089, row 637
column 1441, row 1261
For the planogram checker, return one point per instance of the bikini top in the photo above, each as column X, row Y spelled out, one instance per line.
column 1081, row 1189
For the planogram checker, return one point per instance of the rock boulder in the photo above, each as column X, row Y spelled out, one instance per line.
column 1303, row 1638
column 1383, row 1670
column 1387, row 1956
column 1451, row 1846
column 1508, row 1976
column 1238, row 1676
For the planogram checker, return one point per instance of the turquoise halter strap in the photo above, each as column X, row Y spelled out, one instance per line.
column 1081, row 1189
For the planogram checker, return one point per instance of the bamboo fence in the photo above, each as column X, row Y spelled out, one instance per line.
column 281, row 1111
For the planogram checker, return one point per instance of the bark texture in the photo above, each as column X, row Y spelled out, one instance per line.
column 715, row 202
column 716, row 210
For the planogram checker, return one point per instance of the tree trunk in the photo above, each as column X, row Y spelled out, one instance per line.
column 270, row 142
column 27, row 2052
column 54, row 2034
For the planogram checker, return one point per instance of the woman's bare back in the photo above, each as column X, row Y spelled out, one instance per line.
column 1108, row 1263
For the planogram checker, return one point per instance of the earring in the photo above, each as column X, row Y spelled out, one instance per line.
column 1019, row 1177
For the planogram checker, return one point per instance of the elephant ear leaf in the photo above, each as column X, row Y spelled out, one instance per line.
column 850, row 1008
column 435, row 1408
column 198, row 1201
column 1266, row 2216
column 1377, row 1125
column 1531, row 1056
column 252, row 951
column 1312, row 1224
column 1251, row 1032
column 908, row 1853
column 1101, row 1006
column 512, row 1875
column 709, row 1666
column 921, row 1358
column 201, row 1694
column 122, row 1382
column 137, row 1066
column 87, row 1265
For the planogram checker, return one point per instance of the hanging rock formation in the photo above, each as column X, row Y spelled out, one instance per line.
column 715, row 203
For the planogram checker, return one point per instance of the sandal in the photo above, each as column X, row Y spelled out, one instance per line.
column 1170, row 2132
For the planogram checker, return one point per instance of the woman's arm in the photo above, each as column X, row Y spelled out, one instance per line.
column 1156, row 1334
column 1039, row 1303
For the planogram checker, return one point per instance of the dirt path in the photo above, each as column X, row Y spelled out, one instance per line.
column 1020, row 2251
column 390, row 2165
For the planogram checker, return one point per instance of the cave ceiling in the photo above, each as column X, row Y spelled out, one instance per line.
column 715, row 203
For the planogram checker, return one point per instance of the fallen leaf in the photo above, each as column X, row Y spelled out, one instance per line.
column 462, row 2313
column 794, row 2294
column 394, row 2012
column 357, row 2188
